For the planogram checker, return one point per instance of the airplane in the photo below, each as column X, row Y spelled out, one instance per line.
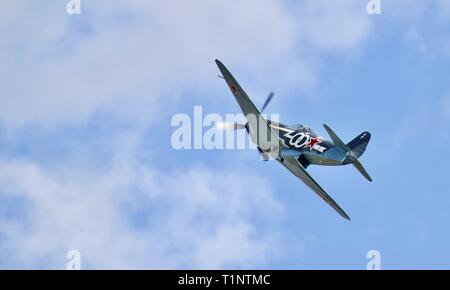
column 295, row 146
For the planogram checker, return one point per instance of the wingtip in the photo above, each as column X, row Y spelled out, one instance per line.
column 327, row 128
column 345, row 216
column 342, row 213
column 221, row 66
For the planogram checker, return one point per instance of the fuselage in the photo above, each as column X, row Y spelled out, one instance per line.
column 305, row 144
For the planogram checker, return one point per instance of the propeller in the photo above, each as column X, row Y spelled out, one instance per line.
column 269, row 98
column 237, row 126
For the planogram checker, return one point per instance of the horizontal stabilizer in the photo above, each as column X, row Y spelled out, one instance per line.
column 361, row 169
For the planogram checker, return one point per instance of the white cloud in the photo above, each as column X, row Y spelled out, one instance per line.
column 124, row 57
column 134, row 216
column 423, row 24
column 334, row 25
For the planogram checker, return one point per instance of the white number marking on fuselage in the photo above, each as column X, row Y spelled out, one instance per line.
column 299, row 140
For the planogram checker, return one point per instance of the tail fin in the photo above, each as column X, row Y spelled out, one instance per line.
column 358, row 145
column 355, row 148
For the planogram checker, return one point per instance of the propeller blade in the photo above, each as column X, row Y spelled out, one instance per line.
column 230, row 126
column 262, row 155
column 269, row 98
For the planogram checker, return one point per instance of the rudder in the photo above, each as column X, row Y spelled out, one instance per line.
column 358, row 145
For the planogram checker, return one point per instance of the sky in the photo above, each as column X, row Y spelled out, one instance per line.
column 86, row 161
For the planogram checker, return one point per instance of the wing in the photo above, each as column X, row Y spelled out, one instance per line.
column 241, row 97
column 297, row 169
column 265, row 137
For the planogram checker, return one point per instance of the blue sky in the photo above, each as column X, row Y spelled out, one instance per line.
column 85, row 124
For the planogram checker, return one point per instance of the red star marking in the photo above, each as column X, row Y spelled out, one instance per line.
column 312, row 142
column 233, row 88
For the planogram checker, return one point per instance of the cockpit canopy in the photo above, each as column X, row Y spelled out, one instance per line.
column 304, row 128
column 296, row 126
